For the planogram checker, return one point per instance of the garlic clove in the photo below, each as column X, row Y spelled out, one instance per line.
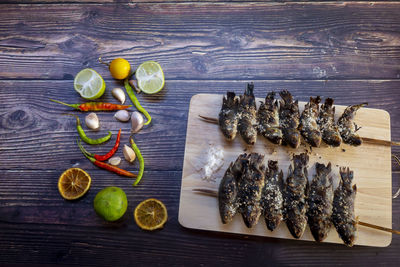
column 119, row 94
column 114, row 161
column 137, row 122
column 122, row 115
column 129, row 154
column 92, row 121
column 132, row 84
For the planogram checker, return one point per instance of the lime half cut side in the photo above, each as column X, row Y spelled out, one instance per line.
column 89, row 84
column 150, row 77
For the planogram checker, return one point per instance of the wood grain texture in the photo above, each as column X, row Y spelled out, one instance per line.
column 205, row 40
column 371, row 165
column 32, row 128
column 308, row 48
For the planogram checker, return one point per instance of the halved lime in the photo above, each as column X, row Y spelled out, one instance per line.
column 150, row 77
column 89, row 84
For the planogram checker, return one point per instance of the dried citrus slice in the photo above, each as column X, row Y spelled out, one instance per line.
column 151, row 214
column 74, row 183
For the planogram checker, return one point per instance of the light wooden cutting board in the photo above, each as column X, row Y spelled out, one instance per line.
column 371, row 165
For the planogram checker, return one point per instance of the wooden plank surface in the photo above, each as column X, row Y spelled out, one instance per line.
column 370, row 163
column 203, row 48
column 205, row 40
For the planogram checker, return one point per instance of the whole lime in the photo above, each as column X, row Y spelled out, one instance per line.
column 110, row 203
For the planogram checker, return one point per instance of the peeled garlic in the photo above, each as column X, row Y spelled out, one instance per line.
column 92, row 121
column 137, row 122
column 114, row 161
column 119, row 94
column 122, row 115
column 129, row 154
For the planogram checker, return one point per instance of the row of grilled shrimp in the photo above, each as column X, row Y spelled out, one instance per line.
column 248, row 187
column 281, row 123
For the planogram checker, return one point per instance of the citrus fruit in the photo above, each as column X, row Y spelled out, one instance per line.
column 89, row 84
column 120, row 68
column 150, row 77
column 110, row 203
column 74, row 183
column 151, row 214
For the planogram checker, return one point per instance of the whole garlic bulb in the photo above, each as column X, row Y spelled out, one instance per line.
column 122, row 115
column 92, row 121
column 137, row 122
column 119, row 94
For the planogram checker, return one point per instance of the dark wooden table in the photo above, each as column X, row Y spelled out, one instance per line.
column 346, row 50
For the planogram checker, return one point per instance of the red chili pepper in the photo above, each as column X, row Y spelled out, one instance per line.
column 106, row 156
column 109, row 167
column 94, row 106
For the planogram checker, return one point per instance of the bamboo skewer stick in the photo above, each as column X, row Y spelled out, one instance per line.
column 365, row 139
column 214, row 193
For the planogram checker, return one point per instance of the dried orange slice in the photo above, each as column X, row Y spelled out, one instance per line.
column 74, row 183
column 151, row 214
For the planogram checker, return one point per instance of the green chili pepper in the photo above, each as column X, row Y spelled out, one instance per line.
column 141, row 161
column 135, row 101
column 87, row 139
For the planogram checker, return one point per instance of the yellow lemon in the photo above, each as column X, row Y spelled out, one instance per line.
column 120, row 68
